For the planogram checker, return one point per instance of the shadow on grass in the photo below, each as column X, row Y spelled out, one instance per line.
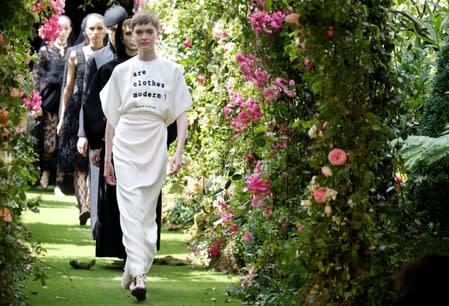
column 56, row 204
column 78, row 235
column 167, row 286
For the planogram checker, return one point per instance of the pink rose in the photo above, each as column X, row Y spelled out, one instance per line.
column 292, row 18
column 247, row 237
column 201, row 79
column 6, row 215
column 326, row 171
column 337, row 157
column 187, row 44
column 319, row 194
column 308, row 64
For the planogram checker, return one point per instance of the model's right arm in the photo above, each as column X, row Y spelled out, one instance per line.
column 109, row 174
column 68, row 89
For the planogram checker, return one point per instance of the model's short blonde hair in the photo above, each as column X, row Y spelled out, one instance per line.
column 126, row 23
column 145, row 18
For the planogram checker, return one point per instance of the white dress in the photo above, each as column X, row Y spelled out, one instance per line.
column 140, row 100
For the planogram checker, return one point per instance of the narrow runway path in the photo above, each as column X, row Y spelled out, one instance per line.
column 58, row 230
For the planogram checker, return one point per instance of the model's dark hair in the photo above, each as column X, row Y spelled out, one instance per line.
column 120, row 47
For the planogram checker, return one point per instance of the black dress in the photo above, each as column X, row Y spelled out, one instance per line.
column 47, row 80
column 107, row 232
column 69, row 157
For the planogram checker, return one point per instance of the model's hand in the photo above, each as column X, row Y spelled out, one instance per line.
column 109, row 174
column 175, row 164
column 95, row 157
column 82, row 146
column 59, row 127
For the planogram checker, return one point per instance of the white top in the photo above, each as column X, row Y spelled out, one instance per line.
column 139, row 88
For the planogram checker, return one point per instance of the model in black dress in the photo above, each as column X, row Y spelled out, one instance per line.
column 70, row 159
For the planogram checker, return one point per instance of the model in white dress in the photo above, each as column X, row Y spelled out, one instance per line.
column 143, row 96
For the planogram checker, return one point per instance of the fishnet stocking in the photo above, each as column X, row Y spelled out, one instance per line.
column 80, row 183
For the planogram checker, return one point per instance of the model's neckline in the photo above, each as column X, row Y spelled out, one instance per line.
column 147, row 61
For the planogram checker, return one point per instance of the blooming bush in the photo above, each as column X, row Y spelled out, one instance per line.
column 18, row 103
column 294, row 109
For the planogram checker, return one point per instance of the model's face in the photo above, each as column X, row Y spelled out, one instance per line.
column 145, row 36
column 128, row 40
column 95, row 31
column 65, row 31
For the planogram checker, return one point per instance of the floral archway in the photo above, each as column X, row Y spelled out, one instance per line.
column 290, row 170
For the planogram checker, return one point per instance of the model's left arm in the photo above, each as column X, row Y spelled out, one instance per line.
column 176, row 160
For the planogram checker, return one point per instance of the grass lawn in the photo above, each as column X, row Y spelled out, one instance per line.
column 57, row 228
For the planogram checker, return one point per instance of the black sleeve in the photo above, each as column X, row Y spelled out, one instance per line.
column 172, row 133
column 91, row 69
column 94, row 120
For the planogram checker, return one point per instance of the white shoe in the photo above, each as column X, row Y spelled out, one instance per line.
column 58, row 192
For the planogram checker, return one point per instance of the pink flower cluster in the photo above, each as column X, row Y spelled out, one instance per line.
column 260, row 189
column 34, row 103
column 261, row 21
column 257, row 185
column 247, row 237
column 215, row 249
column 248, row 278
column 49, row 30
column 241, row 112
column 223, row 210
column 187, row 44
column 271, row 93
column 251, row 71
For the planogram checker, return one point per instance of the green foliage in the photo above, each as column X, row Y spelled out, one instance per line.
column 16, row 154
column 425, row 156
column 435, row 111
column 422, row 151
column 420, row 29
column 361, row 72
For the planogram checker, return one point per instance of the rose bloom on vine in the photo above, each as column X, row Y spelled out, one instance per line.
column 337, row 157
column 187, row 44
column 247, row 237
column 292, row 18
column 326, row 171
column 6, row 215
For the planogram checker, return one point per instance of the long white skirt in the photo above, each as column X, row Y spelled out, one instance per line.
column 140, row 160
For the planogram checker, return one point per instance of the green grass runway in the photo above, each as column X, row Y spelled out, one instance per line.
column 58, row 230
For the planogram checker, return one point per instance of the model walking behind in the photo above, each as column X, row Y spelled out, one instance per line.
column 70, row 159
column 48, row 81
